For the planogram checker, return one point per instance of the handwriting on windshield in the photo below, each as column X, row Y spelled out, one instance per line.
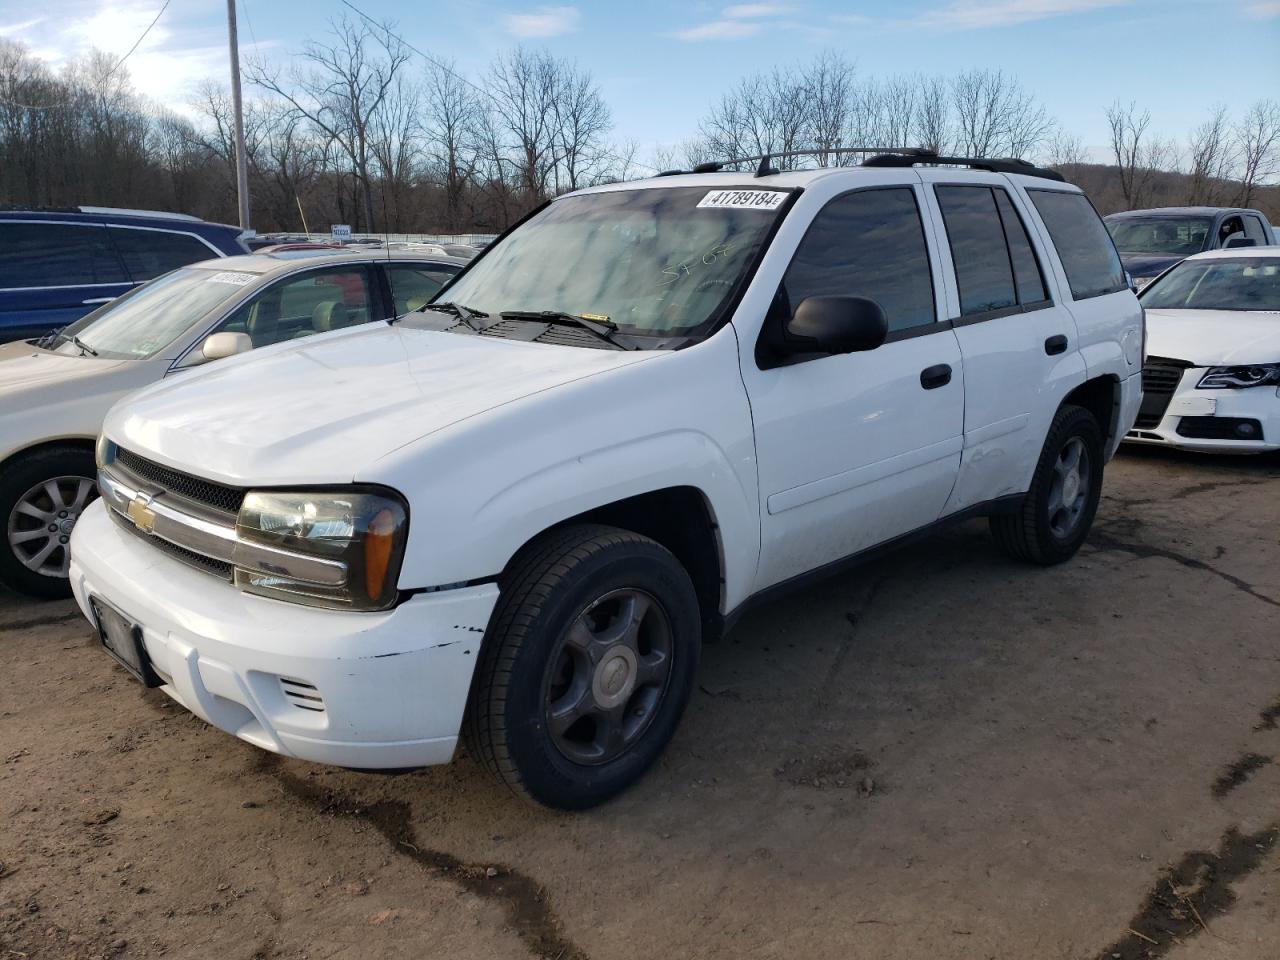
column 684, row 268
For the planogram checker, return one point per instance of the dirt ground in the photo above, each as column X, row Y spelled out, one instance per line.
column 943, row 754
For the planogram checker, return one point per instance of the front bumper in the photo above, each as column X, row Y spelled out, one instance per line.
column 370, row 690
column 1198, row 419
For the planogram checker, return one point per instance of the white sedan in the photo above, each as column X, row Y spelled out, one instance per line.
column 54, row 392
column 1211, row 381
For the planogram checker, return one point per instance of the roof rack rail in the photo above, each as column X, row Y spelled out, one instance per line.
column 880, row 157
column 909, row 158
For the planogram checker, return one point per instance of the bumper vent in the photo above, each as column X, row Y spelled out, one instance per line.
column 216, row 495
column 302, row 695
column 1160, row 378
column 1220, row 428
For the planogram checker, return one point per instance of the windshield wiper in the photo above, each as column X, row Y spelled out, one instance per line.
column 464, row 313
column 71, row 338
column 602, row 327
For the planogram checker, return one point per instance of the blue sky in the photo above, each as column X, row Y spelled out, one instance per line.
column 661, row 64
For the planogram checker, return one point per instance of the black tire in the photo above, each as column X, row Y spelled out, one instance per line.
column 547, row 588
column 1030, row 533
column 16, row 479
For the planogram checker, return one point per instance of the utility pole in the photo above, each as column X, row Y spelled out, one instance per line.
column 242, row 162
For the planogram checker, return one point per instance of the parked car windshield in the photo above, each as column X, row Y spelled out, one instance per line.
column 1251, row 283
column 658, row 262
column 1180, row 236
column 149, row 318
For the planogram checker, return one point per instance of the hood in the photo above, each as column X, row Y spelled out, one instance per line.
column 1148, row 264
column 24, row 369
column 1214, row 337
column 319, row 410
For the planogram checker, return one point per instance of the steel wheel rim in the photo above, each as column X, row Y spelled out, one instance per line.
column 608, row 676
column 40, row 523
column 1069, row 490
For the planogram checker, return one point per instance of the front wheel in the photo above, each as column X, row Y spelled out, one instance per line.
column 41, row 497
column 587, row 667
column 1057, row 512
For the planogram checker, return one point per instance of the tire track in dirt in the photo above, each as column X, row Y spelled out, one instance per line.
column 523, row 900
column 1238, row 773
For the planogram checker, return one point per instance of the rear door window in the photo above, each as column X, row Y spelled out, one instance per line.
column 984, row 271
column 1253, row 229
column 149, row 253
column 1027, row 276
column 57, row 255
column 1088, row 256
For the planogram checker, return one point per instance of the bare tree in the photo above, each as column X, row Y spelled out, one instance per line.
column 1128, row 130
column 995, row 116
column 1259, row 137
column 340, row 88
column 1066, row 150
column 1212, row 152
column 582, row 119
column 452, row 111
column 932, row 119
column 891, row 112
column 829, row 88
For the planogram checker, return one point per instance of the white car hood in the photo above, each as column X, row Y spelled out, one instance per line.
column 320, row 410
column 1214, row 337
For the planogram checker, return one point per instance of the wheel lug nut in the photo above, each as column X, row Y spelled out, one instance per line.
column 53, row 528
column 63, row 539
column 62, row 513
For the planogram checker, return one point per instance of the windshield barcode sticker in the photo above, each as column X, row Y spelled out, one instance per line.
column 744, row 199
column 239, row 279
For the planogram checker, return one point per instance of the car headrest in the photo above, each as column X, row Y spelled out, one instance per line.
column 329, row 315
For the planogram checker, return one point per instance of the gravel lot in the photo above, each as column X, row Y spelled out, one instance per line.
column 943, row 754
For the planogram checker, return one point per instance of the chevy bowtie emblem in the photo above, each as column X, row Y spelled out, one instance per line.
column 143, row 517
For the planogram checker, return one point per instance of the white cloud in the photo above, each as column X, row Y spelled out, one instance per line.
column 543, row 22
column 167, row 66
column 968, row 14
column 751, row 11
column 8, row 29
column 719, row 30
column 739, row 20
column 1263, row 9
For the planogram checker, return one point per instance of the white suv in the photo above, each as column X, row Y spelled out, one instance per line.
column 518, row 513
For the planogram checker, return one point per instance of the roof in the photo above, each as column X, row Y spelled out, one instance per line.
column 1177, row 212
column 1239, row 253
column 107, row 214
column 792, row 179
column 287, row 260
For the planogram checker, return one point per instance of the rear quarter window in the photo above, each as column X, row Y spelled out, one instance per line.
column 149, row 253
column 1088, row 256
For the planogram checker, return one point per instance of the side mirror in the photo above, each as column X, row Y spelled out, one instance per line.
column 836, row 325
column 1240, row 242
column 225, row 344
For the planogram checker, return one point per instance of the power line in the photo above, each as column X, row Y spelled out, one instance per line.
column 110, row 73
column 441, row 65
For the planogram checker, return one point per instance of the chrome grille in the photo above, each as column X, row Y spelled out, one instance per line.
column 216, row 495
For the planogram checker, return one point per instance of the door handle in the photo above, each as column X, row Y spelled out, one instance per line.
column 1055, row 345
column 939, row 375
column 96, row 300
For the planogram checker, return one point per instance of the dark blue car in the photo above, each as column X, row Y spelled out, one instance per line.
column 57, row 265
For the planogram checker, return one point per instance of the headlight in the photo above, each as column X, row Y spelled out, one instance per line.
column 358, row 536
column 1236, row 378
column 104, row 451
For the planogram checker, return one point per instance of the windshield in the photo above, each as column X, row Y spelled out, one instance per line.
column 1251, row 283
column 657, row 262
column 1176, row 236
column 144, row 321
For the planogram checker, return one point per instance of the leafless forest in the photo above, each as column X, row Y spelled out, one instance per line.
column 359, row 128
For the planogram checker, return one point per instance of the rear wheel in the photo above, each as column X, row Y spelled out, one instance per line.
column 41, row 497
column 1054, row 518
column 587, row 667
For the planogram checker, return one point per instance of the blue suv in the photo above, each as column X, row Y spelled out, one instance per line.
column 57, row 265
